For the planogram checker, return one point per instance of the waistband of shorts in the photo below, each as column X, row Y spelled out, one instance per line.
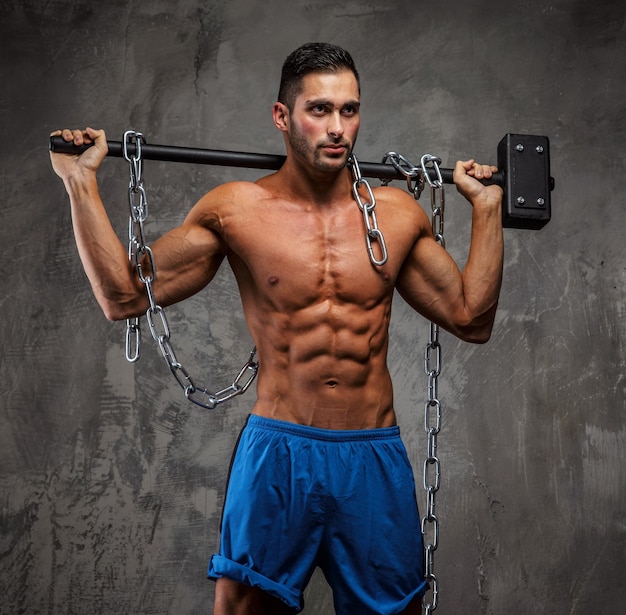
column 317, row 433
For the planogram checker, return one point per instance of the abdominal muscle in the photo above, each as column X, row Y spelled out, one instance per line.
column 326, row 367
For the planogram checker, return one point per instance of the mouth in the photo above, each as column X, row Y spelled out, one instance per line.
column 335, row 148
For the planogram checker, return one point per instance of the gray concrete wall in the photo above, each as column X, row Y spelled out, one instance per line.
column 111, row 484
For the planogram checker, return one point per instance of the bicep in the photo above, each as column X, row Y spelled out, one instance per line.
column 186, row 260
column 430, row 281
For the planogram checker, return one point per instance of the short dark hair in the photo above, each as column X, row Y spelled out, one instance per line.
column 309, row 58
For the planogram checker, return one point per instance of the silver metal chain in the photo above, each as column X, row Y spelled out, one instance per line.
column 373, row 234
column 432, row 407
column 417, row 178
column 141, row 257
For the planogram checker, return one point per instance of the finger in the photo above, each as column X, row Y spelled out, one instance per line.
column 65, row 134
column 78, row 137
column 489, row 170
column 97, row 136
column 477, row 171
column 480, row 171
column 71, row 135
column 461, row 168
column 90, row 134
column 465, row 166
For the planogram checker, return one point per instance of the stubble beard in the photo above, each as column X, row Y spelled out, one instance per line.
column 313, row 153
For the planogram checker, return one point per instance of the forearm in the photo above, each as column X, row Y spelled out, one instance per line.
column 104, row 258
column 482, row 274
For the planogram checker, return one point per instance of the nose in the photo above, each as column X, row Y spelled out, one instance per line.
column 335, row 125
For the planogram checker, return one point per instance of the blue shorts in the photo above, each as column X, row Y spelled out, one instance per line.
column 300, row 497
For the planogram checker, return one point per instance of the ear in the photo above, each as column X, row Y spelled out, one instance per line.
column 280, row 115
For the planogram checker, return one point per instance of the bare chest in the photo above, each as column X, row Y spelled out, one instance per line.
column 294, row 257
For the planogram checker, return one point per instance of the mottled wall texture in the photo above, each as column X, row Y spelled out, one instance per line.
column 111, row 483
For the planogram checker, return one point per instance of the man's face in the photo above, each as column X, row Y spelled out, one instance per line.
column 324, row 122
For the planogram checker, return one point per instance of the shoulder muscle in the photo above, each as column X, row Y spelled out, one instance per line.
column 219, row 203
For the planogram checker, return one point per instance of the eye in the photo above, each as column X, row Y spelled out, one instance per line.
column 349, row 110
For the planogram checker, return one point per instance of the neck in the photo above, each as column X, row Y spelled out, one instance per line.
column 314, row 185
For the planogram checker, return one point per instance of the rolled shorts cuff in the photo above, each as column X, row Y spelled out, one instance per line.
column 222, row 567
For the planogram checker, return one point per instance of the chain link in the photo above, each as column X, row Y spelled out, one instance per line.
column 413, row 174
column 373, row 234
column 142, row 259
column 437, row 197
